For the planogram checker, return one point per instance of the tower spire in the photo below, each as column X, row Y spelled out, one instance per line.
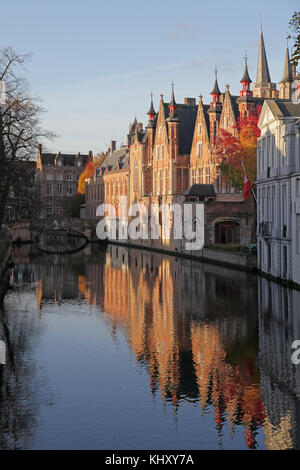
column 263, row 87
column 287, row 69
column 263, row 74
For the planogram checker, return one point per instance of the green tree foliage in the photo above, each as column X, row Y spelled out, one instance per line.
column 294, row 25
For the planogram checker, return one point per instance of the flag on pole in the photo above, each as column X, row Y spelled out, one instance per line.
column 247, row 187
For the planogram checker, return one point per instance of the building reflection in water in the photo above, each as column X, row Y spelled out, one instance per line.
column 206, row 334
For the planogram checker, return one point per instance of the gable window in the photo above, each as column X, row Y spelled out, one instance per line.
column 157, row 152
column 199, row 149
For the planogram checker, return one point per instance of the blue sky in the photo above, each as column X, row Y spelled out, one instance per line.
column 95, row 62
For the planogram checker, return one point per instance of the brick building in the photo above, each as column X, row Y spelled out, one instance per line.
column 57, row 178
column 109, row 181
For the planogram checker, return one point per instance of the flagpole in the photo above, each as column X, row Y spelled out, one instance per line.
column 242, row 163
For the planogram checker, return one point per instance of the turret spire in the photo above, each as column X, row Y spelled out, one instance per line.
column 215, row 92
column 246, row 80
column 285, row 91
column 151, row 113
column 172, row 105
column 215, row 89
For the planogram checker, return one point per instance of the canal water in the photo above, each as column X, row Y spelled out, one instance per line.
column 129, row 349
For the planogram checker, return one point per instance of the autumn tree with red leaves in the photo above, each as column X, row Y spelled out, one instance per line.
column 232, row 150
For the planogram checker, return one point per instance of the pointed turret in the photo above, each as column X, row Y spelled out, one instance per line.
column 215, row 93
column 285, row 85
column 287, row 70
column 151, row 113
column 246, row 81
column 215, row 111
column 172, row 107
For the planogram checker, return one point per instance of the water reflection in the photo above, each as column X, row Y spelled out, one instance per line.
column 206, row 336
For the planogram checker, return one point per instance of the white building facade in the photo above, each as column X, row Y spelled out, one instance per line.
column 278, row 190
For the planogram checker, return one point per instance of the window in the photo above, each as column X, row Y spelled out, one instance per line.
column 298, row 233
column 273, row 204
column 69, row 190
column 59, row 163
column 193, row 176
column 167, row 181
column 160, row 182
column 200, row 175
column 199, row 129
column 154, row 182
column 284, row 205
column 159, row 131
column 207, row 175
column 273, row 150
column 298, row 187
column 199, row 149
column 49, row 189
column 69, row 176
column 79, row 163
column 162, row 152
column 157, row 152
column 59, row 189
column 49, row 209
column 136, row 176
column 49, row 176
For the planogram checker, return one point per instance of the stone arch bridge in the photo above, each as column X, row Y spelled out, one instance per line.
column 29, row 230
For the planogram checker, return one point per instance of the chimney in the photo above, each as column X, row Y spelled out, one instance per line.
column 190, row 101
column 113, row 144
column 90, row 155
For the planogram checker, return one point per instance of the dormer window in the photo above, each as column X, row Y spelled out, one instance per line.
column 58, row 162
column 79, row 163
